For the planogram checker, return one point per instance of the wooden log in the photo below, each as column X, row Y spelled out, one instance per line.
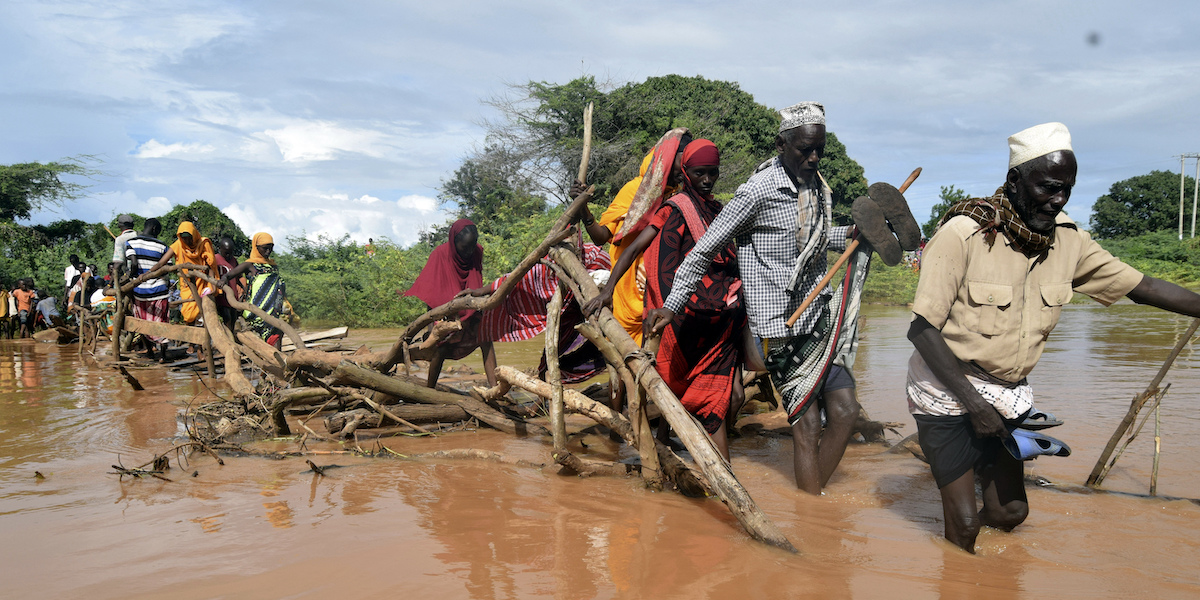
column 573, row 401
column 643, row 435
column 1099, row 471
column 415, row 413
column 561, row 230
column 118, row 325
column 291, row 397
column 558, row 426
column 223, row 342
column 271, row 320
column 716, row 470
column 179, row 333
column 379, row 382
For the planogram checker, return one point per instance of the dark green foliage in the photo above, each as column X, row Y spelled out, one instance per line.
column 27, row 187
column 949, row 196
column 540, row 139
column 1142, row 204
column 333, row 281
column 209, row 219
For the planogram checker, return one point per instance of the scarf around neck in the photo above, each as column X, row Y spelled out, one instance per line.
column 997, row 214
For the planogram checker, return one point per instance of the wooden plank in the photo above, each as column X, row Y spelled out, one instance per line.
column 328, row 334
column 181, row 333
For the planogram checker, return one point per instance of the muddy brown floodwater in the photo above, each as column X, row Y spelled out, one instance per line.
column 375, row 528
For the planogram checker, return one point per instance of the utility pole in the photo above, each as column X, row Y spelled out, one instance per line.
column 1195, row 193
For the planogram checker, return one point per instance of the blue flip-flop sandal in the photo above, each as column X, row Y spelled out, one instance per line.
column 1038, row 420
column 1028, row 445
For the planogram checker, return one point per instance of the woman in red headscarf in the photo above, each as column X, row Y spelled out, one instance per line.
column 454, row 267
column 699, row 353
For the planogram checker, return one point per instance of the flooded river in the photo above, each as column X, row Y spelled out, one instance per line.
column 388, row 528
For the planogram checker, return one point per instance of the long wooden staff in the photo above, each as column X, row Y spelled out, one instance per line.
column 583, row 169
column 850, row 248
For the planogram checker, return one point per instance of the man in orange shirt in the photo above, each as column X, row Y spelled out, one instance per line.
column 25, row 297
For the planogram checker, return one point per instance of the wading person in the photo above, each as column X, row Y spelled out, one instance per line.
column 191, row 248
column 699, row 353
column 226, row 261
column 993, row 281
column 659, row 177
column 150, row 303
column 781, row 221
column 26, row 297
column 264, row 288
column 125, row 224
column 454, row 269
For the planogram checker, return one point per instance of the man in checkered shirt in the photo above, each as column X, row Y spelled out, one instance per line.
column 781, row 221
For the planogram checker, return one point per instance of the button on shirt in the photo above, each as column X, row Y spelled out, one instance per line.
column 763, row 219
column 995, row 306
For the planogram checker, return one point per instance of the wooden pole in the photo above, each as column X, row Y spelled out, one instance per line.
column 558, row 425
column 118, row 324
column 1157, row 448
column 1181, row 165
column 1195, row 194
column 714, row 467
column 587, row 144
column 1098, row 471
column 850, row 248
column 643, row 436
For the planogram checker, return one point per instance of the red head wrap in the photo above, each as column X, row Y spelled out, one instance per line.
column 448, row 273
column 701, row 153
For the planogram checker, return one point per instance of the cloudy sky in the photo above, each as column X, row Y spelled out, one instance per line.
column 309, row 118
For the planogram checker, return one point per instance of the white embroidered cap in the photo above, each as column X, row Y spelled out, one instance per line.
column 1036, row 141
column 804, row 113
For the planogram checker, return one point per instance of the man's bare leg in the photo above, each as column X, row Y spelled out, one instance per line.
column 841, row 411
column 435, row 369
column 721, row 441
column 489, row 362
column 961, row 511
column 1005, row 504
column 806, row 434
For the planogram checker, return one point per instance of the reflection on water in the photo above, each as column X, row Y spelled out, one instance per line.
column 258, row 528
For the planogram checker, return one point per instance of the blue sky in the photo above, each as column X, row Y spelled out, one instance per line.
column 308, row 118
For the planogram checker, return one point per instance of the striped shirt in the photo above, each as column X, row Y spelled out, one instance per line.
column 764, row 217
column 141, row 254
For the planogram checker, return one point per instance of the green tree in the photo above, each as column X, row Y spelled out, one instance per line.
column 209, row 219
column 948, row 197
column 487, row 190
column 27, row 187
column 541, row 133
column 1142, row 204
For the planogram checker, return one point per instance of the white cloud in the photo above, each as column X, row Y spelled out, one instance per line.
column 421, row 204
column 156, row 149
column 324, row 140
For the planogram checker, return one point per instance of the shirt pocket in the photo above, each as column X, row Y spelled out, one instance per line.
column 1054, row 296
column 990, row 305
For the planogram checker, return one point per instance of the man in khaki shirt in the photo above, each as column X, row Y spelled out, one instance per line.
column 993, row 282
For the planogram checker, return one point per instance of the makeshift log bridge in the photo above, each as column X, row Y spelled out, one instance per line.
column 360, row 390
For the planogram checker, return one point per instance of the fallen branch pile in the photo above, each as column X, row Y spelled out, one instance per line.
column 281, row 394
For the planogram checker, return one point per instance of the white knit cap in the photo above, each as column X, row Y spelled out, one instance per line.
column 1036, row 141
column 804, row 113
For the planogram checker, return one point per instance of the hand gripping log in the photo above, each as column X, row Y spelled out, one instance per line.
column 850, row 248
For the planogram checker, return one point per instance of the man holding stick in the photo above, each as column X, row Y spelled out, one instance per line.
column 993, row 282
column 781, row 220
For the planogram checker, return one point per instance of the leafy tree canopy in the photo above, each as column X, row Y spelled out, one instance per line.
column 949, row 196
column 27, row 187
column 534, row 149
column 1142, row 204
column 209, row 219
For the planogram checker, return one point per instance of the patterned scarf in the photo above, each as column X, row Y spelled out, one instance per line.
column 813, row 220
column 997, row 214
